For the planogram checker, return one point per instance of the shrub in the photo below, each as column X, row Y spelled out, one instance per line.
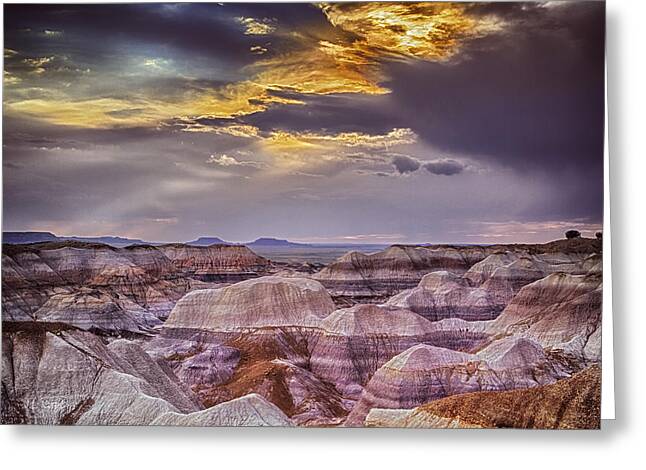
column 572, row 234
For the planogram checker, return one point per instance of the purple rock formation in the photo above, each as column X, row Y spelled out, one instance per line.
column 356, row 341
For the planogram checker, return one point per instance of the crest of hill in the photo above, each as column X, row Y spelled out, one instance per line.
column 255, row 303
column 11, row 249
column 372, row 319
column 425, row 357
column 567, row 246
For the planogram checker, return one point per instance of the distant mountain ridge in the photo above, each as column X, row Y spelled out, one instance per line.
column 19, row 238
column 266, row 242
column 28, row 237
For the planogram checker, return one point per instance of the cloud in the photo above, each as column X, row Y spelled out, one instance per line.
column 51, row 33
column 404, row 164
column 10, row 79
column 312, row 63
column 226, row 161
column 257, row 27
column 258, row 50
column 426, row 30
column 530, row 97
column 445, row 167
column 37, row 64
column 156, row 63
column 215, row 126
column 118, row 171
column 337, row 96
column 283, row 140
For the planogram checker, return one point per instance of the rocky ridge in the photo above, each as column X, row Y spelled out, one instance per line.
column 571, row 403
column 354, row 342
column 96, row 286
column 379, row 275
column 441, row 295
column 561, row 312
column 425, row 373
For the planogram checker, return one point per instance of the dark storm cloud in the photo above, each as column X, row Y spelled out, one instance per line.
column 444, row 167
column 530, row 98
column 404, row 164
column 210, row 31
column 336, row 113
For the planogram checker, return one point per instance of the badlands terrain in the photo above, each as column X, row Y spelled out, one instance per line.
column 416, row 336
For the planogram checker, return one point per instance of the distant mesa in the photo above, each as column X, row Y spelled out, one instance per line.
column 207, row 241
column 275, row 242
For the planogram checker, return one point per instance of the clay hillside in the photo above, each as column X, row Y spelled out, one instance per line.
column 416, row 336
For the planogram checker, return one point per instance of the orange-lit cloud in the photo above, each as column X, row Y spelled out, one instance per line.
column 317, row 153
column 288, row 141
column 235, row 130
column 231, row 101
column 351, row 62
column 427, row 30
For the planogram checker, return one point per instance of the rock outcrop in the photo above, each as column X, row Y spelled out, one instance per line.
column 399, row 267
column 385, row 273
column 250, row 410
column 274, row 363
column 300, row 394
column 572, row 403
column 425, row 373
column 441, row 295
column 502, row 275
column 195, row 362
column 97, row 310
column 264, row 302
column 67, row 376
column 216, row 262
column 561, row 312
column 421, row 374
column 110, row 289
column 522, row 363
column 355, row 342
column 488, row 286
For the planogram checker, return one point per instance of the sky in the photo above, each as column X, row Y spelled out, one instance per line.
column 357, row 123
